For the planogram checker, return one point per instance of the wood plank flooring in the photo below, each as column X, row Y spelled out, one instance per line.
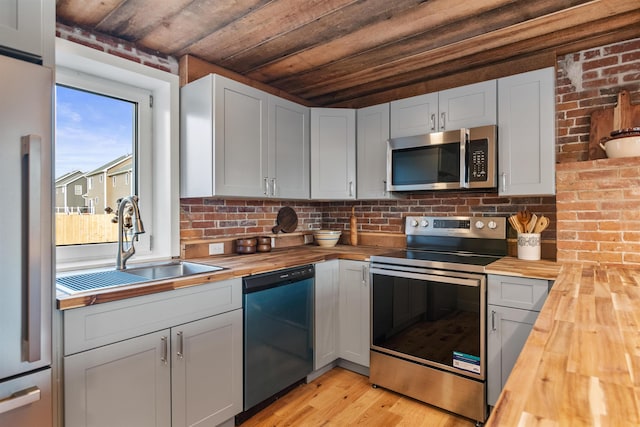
column 343, row 398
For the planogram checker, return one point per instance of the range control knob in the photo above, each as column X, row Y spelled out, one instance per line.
column 493, row 225
column 424, row 223
column 413, row 223
column 479, row 225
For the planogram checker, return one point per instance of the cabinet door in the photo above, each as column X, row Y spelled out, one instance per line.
column 326, row 313
column 241, row 134
column 507, row 331
column 123, row 384
column 289, row 158
column 414, row 116
column 354, row 312
column 21, row 26
column 467, row 106
column 333, row 153
column 372, row 136
column 526, row 133
column 517, row 292
column 206, row 357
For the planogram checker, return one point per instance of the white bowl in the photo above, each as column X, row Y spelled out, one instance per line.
column 626, row 146
column 327, row 238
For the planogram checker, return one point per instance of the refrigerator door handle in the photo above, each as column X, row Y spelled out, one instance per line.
column 32, row 179
column 19, row 399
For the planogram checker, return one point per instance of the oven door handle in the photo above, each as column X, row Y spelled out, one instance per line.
column 430, row 277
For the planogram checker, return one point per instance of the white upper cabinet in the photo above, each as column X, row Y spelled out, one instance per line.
column 289, row 149
column 28, row 27
column 414, row 116
column 239, row 141
column 526, row 133
column 333, row 153
column 461, row 107
column 372, row 136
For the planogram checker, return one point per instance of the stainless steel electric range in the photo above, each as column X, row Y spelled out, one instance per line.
column 428, row 312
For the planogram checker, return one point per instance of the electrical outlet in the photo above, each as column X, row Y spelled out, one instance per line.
column 308, row 238
column 216, row 248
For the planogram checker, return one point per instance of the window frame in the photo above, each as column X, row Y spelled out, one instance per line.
column 158, row 187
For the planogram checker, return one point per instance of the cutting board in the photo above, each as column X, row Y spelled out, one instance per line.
column 287, row 220
column 624, row 115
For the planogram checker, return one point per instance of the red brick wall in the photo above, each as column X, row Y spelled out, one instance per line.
column 598, row 201
column 599, row 211
column 117, row 47
column 587, row 81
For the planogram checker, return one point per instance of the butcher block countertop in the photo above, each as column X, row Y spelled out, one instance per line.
column 581, row 364
column 235, row 266
column 511, row 266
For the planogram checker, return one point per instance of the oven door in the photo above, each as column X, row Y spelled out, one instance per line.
column 435, row 161
column 432, row 317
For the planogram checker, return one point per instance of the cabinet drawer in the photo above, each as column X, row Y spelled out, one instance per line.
column 517, row 292
column 94, row 326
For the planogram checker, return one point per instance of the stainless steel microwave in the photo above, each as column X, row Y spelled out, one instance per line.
column 465, row 158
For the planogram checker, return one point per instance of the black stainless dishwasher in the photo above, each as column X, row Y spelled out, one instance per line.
column 278, row 334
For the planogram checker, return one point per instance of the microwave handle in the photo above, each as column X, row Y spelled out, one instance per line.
column 464, row 158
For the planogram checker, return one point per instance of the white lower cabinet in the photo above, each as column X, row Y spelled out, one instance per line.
column 327, row 284
column 341, row 312
column 355, row 320
column 187, row 374
column 514, row 304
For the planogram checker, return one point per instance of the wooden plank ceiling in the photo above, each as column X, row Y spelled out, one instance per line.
column 360, row 52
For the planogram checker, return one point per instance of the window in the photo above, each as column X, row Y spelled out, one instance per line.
column 77, row 190
column 97, row 72
column 95, row 133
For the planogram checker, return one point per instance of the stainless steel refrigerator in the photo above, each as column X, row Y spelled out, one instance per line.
column 26, row 249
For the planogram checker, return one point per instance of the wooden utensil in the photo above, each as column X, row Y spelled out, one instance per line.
column 287, row 220
column 532, row 223
column 524, row 217
column 541, row 224
column 513, row 220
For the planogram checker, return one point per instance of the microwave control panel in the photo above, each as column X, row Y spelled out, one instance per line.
column 479, row 158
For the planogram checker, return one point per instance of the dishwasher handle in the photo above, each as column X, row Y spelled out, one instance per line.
column 273, row 279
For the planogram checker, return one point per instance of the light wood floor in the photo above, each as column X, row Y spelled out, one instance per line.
column 343, row 398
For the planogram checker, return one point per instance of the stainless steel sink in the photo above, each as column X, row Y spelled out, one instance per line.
column 171, row 270
column 76, row 283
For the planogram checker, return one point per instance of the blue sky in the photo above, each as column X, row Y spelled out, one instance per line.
column 91, row 130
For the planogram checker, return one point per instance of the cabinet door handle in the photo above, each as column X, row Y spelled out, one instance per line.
column 164, row 350
column 493, row 320
column 364, row 275
column 180, row 350
column 384, row 187
column 273, row 186
column 443, row 120
column 433, row 121
column 504, row 181
column 266, row 185
column 350, row 188
column 19, row 399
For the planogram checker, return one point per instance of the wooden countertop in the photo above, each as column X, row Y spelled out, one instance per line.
column 511, row 266
column 235, row 266
column 581, row 364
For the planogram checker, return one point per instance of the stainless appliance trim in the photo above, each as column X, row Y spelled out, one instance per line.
column 454, row 393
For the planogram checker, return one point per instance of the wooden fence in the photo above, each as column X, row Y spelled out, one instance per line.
column 77, row 229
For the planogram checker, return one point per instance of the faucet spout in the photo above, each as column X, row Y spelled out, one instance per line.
column 129, row 223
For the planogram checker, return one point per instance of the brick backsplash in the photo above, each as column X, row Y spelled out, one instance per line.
column 599, row 211
column 203, row 218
